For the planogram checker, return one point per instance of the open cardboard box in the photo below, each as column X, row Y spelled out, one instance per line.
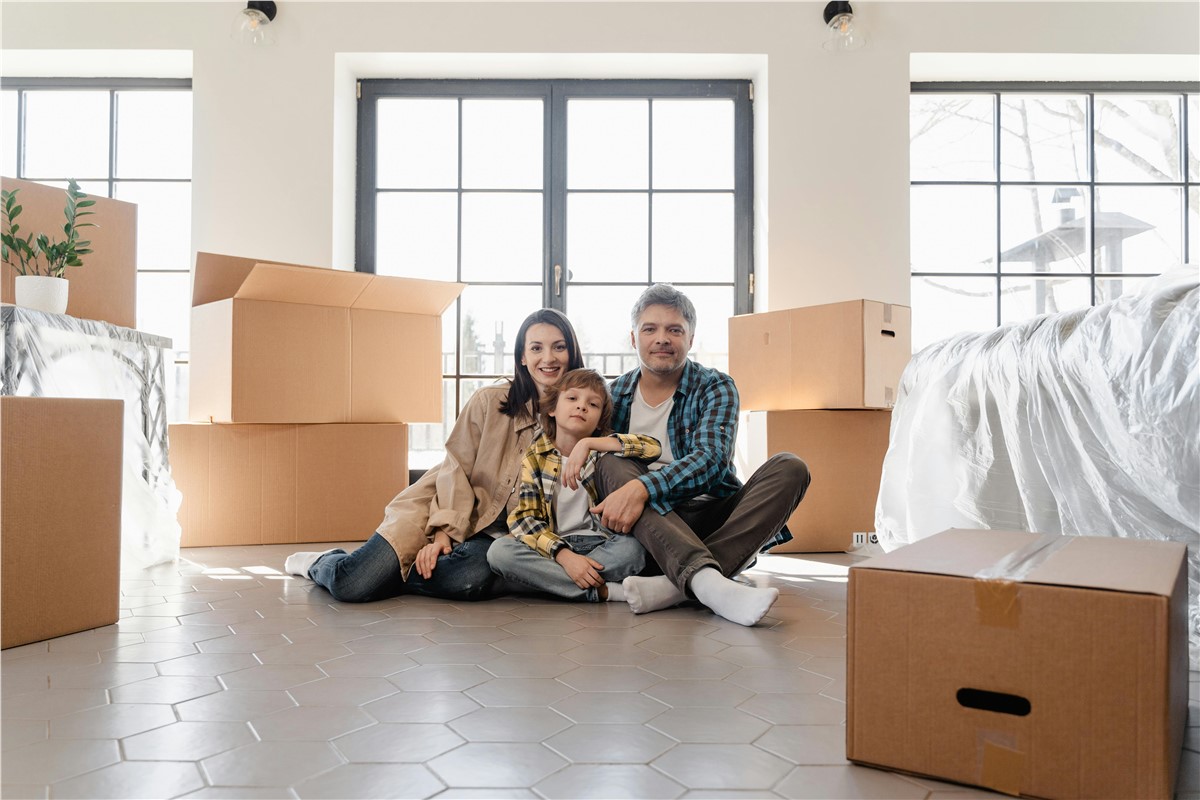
column 1042, row 666
column 286, row 343
column 837, row 356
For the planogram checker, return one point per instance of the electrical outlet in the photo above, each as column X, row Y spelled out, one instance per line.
column 859, row 539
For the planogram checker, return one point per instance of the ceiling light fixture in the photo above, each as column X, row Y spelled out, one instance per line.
column 844, row 33
column 253, row 24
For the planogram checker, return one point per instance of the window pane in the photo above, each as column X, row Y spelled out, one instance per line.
column 1044, row 229
column 1023, row 298
column 608, row 237
column 953, row 228
column 502, row 237
column 163, row 303
column 66, row 135
column 154, row 134
column 1194, row 226
column 1043, row 138
column 426, row 440
column 693, row 237
column 491, row 316
column 178, row 373
column 417, row 144
column 1194, row 137
column 608, row 144
column 1138, row 228
column 714, row 307
column 1108, row 289
column 950, row 137
column 943, row 307
column 600, row 315
column 416, row 235
column 693, row 144
column 1137, row 138
column 164, row 231
column 502, row 144
column 8, row 141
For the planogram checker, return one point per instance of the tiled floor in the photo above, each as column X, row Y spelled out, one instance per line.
column 226, row 679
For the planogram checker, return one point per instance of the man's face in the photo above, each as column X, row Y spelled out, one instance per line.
column 662, row 339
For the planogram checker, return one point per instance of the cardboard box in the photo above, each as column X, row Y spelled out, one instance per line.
column 273, row 484
column 844, row 451
column 60, row 516
column 284, row 343
column 836, row 356
column 1061, row 673
column 105, row 287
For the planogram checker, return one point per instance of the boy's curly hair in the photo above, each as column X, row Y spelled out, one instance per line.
column 578, row 379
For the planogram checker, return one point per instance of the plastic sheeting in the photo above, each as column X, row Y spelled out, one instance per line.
column 53, row 355
column 1084, row 423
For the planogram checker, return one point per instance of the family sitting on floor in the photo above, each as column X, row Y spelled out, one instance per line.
column 555, row 483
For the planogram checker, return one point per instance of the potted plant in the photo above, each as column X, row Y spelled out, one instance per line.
column 40, row 262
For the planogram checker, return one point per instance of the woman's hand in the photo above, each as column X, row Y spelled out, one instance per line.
column 581, row 569
column 573, row 467
column 428, row 555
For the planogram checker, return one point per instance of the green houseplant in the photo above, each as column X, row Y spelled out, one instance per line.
column 39, row 261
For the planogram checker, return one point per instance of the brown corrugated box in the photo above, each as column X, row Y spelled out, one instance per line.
column 105, row 287
column 1062, row 673
column 286, row 343
column 844, row 451
column 273, row 484
column 835, row 356
column 60, row 516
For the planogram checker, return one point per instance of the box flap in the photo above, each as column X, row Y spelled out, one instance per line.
column 218, row 277
column 285, row 283
column 1090, row 562
column 408, row 295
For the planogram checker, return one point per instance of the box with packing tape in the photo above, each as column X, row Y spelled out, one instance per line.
column 1043, row 666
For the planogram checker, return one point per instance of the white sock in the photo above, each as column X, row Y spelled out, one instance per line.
column 616, row 592
column 744, row 605
column 301, row 563
column 651, row 594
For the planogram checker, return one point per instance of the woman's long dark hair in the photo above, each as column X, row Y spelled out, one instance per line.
column 523, row 393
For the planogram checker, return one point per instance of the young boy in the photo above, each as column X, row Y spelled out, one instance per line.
column 556, row 545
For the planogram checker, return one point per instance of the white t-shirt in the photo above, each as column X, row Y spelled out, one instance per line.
column 571, row 513
column 652, row 421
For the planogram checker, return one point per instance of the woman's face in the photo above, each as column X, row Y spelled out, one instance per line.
column 546, row 355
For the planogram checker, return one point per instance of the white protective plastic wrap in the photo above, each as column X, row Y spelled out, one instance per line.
column 54, row 355
column 1084, row 423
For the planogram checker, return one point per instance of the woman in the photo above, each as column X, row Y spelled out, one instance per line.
column 436, row 533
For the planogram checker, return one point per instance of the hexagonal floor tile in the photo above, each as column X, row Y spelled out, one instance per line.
column 528, row 665
column 440, row 677
column 367, row 665
column 806, row 744
column 273, row 676
column 493, row 764
column 610, row 707
column 722, row 766
column 58, row 759
column 625, row 655
column 397, row 742
column 698, row 724
column 848, row 781
column 342, row 691
column 609, row 679
column 796, row 709
column 518, row 692
column 187, row 741
column 689, row 668
column 468, row 653
column 165, row 689
column 676, row 645
column 699, row 693
column 371, row 781
column 234, row 705
column 509, row 724
column 771, row 679
column 133, row 779
column 313, row 723
column 610, row 744
column 581, row 781
column 102, row 676
column 51, row 703
column 270, row 763
column 528, row 643
column 421, row 707
column 114, row 721
column 207, row 664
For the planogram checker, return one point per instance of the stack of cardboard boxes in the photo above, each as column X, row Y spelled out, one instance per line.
column 821, row 382
column 302, row 380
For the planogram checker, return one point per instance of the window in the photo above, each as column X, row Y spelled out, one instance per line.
column 569, row 194
column 130, row 140
column 1035, row 198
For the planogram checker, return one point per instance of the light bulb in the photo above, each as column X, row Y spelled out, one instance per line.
column 844, row 34
column 253, row 27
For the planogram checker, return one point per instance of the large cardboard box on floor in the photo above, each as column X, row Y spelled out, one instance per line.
column 1041, row 666
column 105, row 287
column 286, row 343
column 275, row 484
column 834, row 356
column 60, row 516
column 844, row 451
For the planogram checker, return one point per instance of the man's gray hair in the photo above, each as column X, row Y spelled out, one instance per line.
column 661, row 294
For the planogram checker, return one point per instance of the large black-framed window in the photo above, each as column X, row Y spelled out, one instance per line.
column 129, row 139
column 572, row 194
column 1031, row 198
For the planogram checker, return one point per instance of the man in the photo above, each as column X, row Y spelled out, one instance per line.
column 702, row 525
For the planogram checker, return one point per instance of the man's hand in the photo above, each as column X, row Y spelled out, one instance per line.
column 581, row 569
column 427, row 556
column 623, row 507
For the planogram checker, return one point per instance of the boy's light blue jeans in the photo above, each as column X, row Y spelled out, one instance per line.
column 521, row 565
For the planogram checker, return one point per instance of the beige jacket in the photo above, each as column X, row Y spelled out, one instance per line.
column 475, row 484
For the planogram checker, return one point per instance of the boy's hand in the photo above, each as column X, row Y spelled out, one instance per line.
column 428, row 555
column 581, row 569
column 573, row 467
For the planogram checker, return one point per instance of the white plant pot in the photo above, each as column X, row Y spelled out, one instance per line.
column 42, row 293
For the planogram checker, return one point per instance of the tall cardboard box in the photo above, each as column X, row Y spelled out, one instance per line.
column 844, row 451
column 1040, row 666
column 60, row 516
column 282, row 343
column 105, row 287
column 273, row 484
column 834, row 356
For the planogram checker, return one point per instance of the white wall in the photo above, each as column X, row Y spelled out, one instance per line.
column 274, row 145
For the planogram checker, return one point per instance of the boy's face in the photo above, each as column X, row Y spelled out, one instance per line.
column 577, row 411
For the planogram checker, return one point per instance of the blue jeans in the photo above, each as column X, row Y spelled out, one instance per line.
column 621, row 556
column 372, row 572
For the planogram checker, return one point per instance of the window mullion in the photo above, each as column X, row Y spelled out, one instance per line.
column 555, row 183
